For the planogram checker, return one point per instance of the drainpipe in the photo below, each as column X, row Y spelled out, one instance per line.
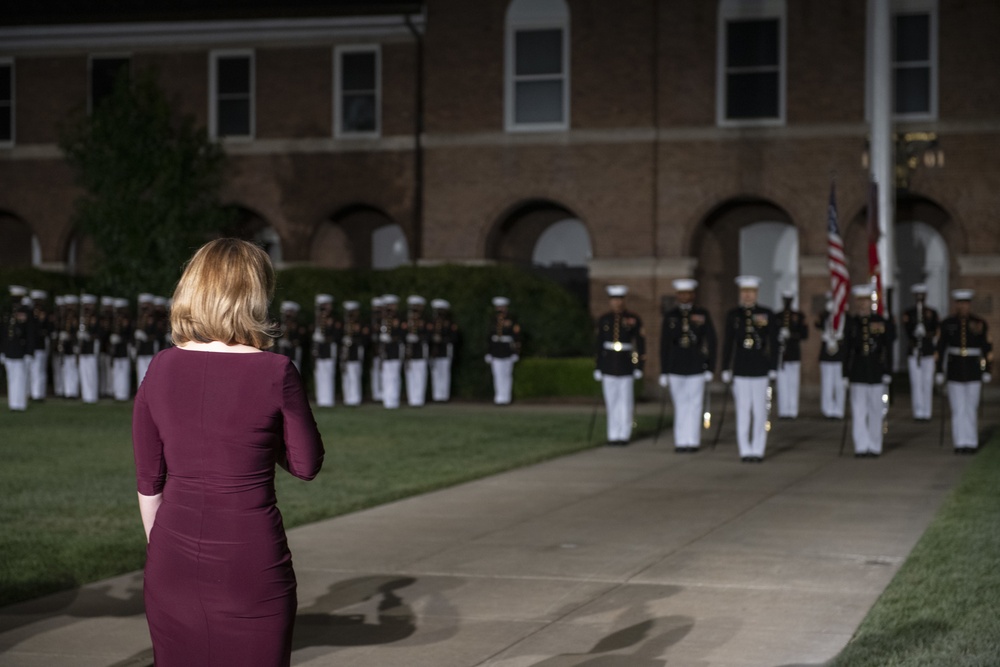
column 416, row 252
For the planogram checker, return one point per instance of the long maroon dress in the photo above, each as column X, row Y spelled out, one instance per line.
column 207, row 431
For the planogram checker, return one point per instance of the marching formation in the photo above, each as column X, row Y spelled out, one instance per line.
column 761, row 356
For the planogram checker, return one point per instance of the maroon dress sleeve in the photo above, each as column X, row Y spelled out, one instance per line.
column 147, row 447
column 303, row 443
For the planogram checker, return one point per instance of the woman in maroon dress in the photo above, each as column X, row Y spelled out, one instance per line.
column 212, row 418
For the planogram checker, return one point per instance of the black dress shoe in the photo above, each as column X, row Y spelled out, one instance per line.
column 860, row 455
column 746, row 459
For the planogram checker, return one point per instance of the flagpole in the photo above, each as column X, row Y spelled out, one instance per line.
column 881, row 149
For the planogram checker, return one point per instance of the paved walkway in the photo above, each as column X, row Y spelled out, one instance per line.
column 614, row 557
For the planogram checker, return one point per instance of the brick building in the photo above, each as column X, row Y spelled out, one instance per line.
column 636, row 141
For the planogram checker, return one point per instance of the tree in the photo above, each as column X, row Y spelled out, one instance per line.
column 151, row 180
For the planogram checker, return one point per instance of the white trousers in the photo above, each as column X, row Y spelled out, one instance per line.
column 391, row 382
column 620, row 404
column 376, row 379
column 867, row 410
column 788, row 381
column 503, row 380
column 57, row 374
column 323, row 375
column 688, row 394
column 350, row 379
column 17, row 383
column 832, row 394
column 416, row 382
column 121, row 373
column 71, row 376
column 750, row 400
column 964, row 400
column 39, row 374
column 921, row 386
column 441, row 378
column 141, row 366
column 106, row 375
column 89, row 377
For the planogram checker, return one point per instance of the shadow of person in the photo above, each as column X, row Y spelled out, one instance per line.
column 640, row 643
column 318, row 625
column 117, row 598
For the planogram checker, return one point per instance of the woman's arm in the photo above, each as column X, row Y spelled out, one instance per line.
column 147, row 508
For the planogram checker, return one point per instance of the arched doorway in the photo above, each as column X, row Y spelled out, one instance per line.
column 17, row 246
column 251, row 226
column 81, row 254
column 548, row 238
column 360, row 237
column 770, row 250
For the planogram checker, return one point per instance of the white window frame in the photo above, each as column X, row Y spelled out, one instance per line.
column 213, row 98
column 90, row 72
column 9, row 143
column 338, row 51
column 929, row 7
column 551, row 15
column 730, row 10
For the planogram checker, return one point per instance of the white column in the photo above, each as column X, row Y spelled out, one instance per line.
column 881, row 149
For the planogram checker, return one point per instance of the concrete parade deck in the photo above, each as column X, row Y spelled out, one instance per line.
column 613, row 557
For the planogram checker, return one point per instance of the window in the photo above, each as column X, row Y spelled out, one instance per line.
column 537, row 67
column 6, row 102
column 104, row 72
column 751, row 75
column 232, row 81
column 914, row 57
column 357, row 103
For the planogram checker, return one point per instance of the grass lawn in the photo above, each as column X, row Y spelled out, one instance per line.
column 943, row 606
column 68, row 512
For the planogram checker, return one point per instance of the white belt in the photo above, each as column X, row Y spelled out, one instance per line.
column 502, row 339
column 965, row 351
column 617, row 347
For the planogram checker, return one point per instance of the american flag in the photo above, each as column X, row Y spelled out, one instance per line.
column 840, row 281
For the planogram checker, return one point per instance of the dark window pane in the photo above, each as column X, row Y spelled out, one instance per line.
column 913, row 90
column 538, row 52
column 752, row 95
column 6, row 131
column 752, row 43
column 103, row 76
column 5, row 83
column 357, row 113
column 538, row 102
column 358, row 71
column 234, row 118
column 913, row 37
column 233, row 75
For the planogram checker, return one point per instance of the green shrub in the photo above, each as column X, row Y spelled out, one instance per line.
column 568, row 377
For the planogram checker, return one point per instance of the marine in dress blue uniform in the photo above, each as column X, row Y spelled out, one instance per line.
column 868, row 341
column 44, row 329
column 416, row 351
column 833, row 396
column 354, row 341
column 326, row 331
column 503, row 349
column 687, row 362
column 17, row 345
column 443, row 338
column 792, row 330
column 921, row 324
column 965, row 357
column 390, row 351
column 621, row 359
column 749, row 363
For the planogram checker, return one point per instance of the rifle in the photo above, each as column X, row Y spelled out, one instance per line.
column 848, row 415
column 593, row 418
column 944, row 369
column 663, row 408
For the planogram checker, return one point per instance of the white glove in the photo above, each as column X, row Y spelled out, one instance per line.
column 919, row 331
column 772, row 375
column 515, row 358
column 637, row 374
column 847, row 383
column 63, row 335
column 139, row 335
column 987, row 377
column 727, row 376
column 708, row 375
column 664, row 381
column 832, row 347
column 939, row 379
column 784, row 333
column 3, row 359
column 598, row 375
column 318, row 336
column 115, row 339
column 488, row 358
column 385, row 338
column 886, row 379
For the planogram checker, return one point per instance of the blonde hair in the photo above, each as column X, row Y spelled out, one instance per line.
column 223, row 295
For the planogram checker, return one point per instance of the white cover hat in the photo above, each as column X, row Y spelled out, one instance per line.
column 617, row 291
column 121, row 303
column 748, row 282
column 289, row 306
column 145, row 297
column 71, row 299
column 864, row 289
column 416, row 300
column 17, row 290
column 323, row 298
column 39, row 294
column 685, row 284
column 377, row 302
column 440, row 304
column 389, row 299
column 88, row 298
column 499, row 301
column 962, row 294
column 919, row 288
column 351, row 305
